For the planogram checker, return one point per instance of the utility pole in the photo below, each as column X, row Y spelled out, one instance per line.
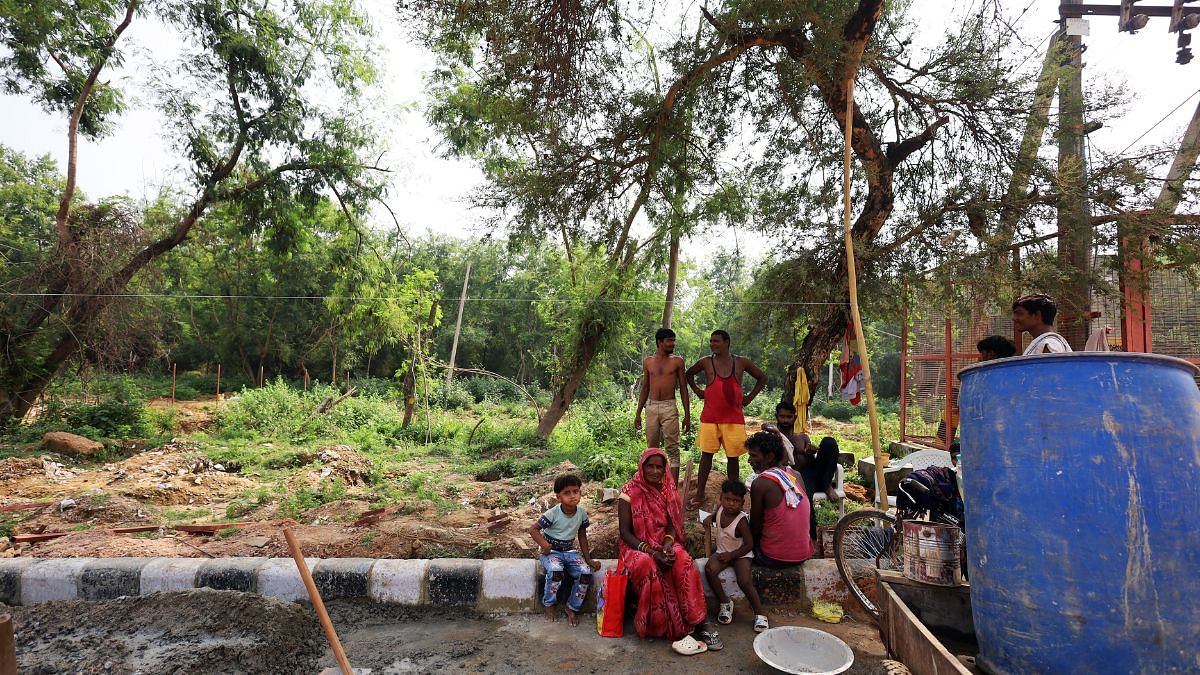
column 1074, row 221
column 462, row 301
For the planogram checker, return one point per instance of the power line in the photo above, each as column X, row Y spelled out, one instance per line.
column 352, row 298
column 1164, row 119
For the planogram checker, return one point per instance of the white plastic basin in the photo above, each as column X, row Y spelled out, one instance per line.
column 794, row 649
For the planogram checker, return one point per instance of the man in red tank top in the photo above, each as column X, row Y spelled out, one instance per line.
column 722, row 423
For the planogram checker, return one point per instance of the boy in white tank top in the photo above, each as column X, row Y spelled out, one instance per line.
column 735, row 548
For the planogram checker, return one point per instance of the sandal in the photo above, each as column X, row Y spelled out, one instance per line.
column 760, row 623
column 725, row 613
column 711, row 638
column 689, row 646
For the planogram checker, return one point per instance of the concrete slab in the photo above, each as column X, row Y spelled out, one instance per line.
column 230, row 574
column 728, row 581
column 454, row 582
column 52, row 579
column 509, row 585
column 399, row 582
column 822, row 581
column 279, row 578
column 169, row 574
column 112, row 578
column 11, row 570
column 343, row 577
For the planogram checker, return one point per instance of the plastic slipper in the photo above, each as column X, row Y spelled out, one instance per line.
column 725, row 613
column 689, row 646
column 713, row 639
column 760, row 623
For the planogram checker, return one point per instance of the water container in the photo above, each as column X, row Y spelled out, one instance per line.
column 931, row 553
column 1083, row 512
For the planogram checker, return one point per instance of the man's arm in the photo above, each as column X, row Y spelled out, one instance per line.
column 637, row 416
column 760, row 380
column 758, row 491
column 690, row 375
column 683, row 394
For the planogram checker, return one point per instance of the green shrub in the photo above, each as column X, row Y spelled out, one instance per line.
column 842, row 411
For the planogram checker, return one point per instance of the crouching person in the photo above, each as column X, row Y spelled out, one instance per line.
column 555, row 532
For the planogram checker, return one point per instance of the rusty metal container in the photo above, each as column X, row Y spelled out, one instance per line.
column 931, row 553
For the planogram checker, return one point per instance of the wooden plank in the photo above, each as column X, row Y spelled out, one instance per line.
column 30, row 538
column 139, row 528
column 374, row 515
column 212, row 528
column 29, row 505
column 910, row 641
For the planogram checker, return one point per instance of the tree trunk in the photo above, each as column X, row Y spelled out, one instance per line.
column 410, row 396
column 672, row 274
column 584, row 351
column 814, row 351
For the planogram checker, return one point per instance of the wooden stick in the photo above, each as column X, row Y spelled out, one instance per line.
column 708, row 536
column 8, row 646
column 859, row 334
column 319, row 606
column 687, row 486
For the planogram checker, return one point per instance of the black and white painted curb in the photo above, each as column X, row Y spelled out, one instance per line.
column 501, row 585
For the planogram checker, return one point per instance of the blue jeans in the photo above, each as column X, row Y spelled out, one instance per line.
column 558, row 563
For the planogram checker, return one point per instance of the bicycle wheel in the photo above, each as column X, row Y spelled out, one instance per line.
column 865, row 541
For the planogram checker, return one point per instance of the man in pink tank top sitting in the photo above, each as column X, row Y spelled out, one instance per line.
column 779, row 508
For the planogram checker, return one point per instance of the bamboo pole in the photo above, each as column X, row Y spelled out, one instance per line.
column 8, row 646
column 859, row 335
column 318, row 605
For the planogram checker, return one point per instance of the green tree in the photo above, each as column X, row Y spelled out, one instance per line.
column 248, row 104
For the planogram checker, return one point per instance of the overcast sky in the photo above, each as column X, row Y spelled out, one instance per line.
column 429, row 192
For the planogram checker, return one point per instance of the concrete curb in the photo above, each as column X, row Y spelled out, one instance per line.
column 501, row 585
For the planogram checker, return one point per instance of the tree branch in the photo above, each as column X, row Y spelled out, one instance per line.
column 898, row 152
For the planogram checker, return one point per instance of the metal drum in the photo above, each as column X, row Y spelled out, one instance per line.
column 931, row 553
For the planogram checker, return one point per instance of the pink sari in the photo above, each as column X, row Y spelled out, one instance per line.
column 670, row 602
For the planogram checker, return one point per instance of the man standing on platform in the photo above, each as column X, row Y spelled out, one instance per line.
column 722, row 422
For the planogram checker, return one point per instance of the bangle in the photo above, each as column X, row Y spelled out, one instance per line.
column 667, row 540
column 642, row 547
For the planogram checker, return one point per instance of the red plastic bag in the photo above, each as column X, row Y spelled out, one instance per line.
column 610, row 602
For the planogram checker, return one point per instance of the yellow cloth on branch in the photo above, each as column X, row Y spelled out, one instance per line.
column 801, row 400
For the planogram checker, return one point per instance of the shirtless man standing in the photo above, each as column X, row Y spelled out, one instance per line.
column 722, row 423
column 662, row 373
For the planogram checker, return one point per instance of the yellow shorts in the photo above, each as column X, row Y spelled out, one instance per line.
column 713, row 436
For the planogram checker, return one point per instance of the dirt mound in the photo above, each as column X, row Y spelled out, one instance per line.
column 17, row 468
column 335, row 462
column 175, row 473
column 101, row 544
column 200, row 631
column 20, row 467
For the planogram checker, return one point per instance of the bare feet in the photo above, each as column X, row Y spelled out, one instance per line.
column 552, row 614
column 832, row 495
column 572, row 617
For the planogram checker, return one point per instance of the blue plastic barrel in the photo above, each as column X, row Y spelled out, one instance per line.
column 1083, row 512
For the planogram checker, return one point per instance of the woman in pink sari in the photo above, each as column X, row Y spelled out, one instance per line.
column 670, row 597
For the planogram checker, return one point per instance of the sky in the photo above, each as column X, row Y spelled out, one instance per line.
column 430, row 192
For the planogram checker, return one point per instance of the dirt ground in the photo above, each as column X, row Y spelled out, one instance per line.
column 399, row 642
column 177, row 484
column 225, row 632
column 201, row 631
